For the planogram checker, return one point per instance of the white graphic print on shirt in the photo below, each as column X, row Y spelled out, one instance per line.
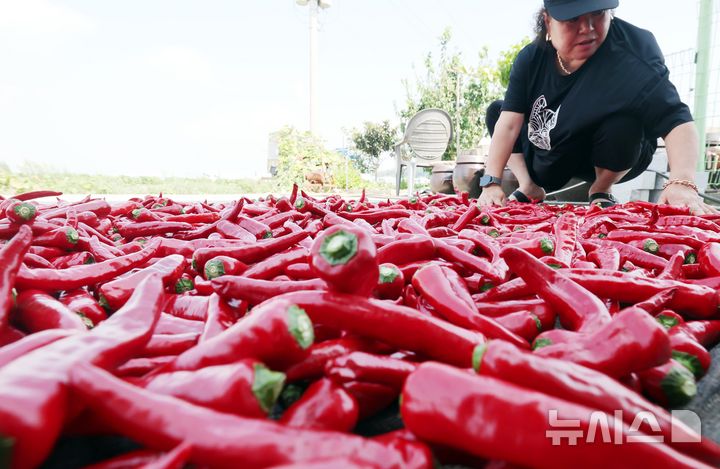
column 542, row 121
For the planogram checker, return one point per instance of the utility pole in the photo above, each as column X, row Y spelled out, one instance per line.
column 313, row 16
column 702, row 75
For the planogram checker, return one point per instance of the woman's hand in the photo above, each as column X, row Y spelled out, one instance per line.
column 492, row 195
column 684, row 196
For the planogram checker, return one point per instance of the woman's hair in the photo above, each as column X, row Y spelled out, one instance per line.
column 540, row 29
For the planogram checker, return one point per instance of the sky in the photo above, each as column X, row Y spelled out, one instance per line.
column 193, row 88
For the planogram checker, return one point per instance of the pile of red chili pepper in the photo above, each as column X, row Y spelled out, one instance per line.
column 260, row 333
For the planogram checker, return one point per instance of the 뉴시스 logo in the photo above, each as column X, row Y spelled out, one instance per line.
column 601, row 428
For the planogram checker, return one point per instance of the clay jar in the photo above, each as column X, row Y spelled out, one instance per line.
column 468, row 170
column 441, row 179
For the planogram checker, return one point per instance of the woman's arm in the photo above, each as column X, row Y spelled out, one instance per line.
column 506, row 133
column 681, row 145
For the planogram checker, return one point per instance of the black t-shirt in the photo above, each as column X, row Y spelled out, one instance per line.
column 627, row 74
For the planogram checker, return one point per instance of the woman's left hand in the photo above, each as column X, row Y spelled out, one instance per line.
column 684, row 196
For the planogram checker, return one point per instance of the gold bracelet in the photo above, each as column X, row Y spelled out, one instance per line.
column 682, row 182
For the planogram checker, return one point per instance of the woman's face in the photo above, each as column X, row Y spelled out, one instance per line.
column 578, row 38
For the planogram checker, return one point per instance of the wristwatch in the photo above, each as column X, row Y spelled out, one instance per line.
column 487, row 180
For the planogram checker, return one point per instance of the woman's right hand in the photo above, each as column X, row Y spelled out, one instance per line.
column 492, row 195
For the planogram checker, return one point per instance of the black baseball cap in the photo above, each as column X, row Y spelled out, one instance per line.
column 566, row 9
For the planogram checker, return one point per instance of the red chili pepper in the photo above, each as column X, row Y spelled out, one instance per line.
column 33, row 261
column 404, row 251
column 72, row 260
column 312, row 366
column 187, row 307
column 224, row 440
column 256, row 291
column 371, row 397
column 695, row 300
column 138, row 367
column 605, row 257
column 345, row 257
column 245, row 387
column 377, row 215
column 21, row 212
column 275, row 265
column 579, row 310
column 248, row 253
column 89, row 231
column 445, row 291
column 632, row 254
column 368, row 367
column 657, row 301
column 37, row 311
column 522, row 323
column 207, row 217
column 709, row 259
column 435, row 393
column 205, row 230
column 631, row 333
column 647, row 245
column 669, row 319
column 100, row 207
column 278, row 333
column 80, row 276
column 670, row 384
column 595, row 390
column 468, row 261
column 84, row 304
column 33, row 395
column 706, row 333
column 689, row 353
column 323, row 406
column 538, row 247
column 468, row 215
column 408, row 225
column 223, row 265
column 36, row 195
column 673, row 268
column 514, row 289
column 11, row 258
column 219, row 318
column 31, row 342
column 143, row 215
column 299, row 271
column 101, row 252
column 115, row 293
column 63, row 238
column 667, row 250
column 380, row 320
column 169, row 344
column 152, row 228
column 391, row 282
column 169, row 324
column 661, row 238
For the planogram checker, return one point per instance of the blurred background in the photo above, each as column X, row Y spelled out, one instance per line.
column 228, row 97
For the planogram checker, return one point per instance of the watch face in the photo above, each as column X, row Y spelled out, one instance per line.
column 487, row 180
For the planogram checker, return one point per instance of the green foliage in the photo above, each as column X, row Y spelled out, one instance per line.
column 34, row 177
column 301, row 153
column 373, row 140
column 505, row 62
column 463, row 91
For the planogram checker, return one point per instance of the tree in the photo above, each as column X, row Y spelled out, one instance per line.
column 301, row 153
column 462, row 91
column 372, row 141
column 506, row 60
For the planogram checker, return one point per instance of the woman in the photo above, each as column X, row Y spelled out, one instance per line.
column 589, row 98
